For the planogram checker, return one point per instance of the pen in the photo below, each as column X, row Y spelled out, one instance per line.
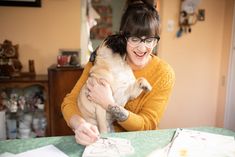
column 175, row 135
column 101, row 137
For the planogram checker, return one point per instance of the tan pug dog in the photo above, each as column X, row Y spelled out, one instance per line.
column 111, row 66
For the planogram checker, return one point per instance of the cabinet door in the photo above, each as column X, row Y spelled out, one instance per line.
column 61, row 83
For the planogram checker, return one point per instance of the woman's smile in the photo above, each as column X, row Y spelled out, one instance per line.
column 140, row 54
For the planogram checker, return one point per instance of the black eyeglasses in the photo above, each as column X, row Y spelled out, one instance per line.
column 149, row 41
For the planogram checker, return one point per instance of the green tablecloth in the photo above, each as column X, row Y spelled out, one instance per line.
column 144, row 142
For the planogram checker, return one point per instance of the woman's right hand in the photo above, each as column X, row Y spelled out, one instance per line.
column 86, row 133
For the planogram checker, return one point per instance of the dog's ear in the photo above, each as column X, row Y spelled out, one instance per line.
column 117, row 43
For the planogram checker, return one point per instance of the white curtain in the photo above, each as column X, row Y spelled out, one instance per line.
column 87, row 22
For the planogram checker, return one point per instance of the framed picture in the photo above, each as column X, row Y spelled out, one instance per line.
column 104, row 24
column 25, row 3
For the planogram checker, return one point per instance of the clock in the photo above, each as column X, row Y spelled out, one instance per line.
column 7, row 50
column 10, row 65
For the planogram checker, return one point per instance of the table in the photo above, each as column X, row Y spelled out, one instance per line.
column 144, row 142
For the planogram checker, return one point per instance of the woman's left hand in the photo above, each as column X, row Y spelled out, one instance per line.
column 100, row 92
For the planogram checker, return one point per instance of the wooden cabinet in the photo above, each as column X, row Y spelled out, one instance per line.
column 27, row 81
column 61, row 82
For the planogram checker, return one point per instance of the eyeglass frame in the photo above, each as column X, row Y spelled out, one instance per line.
column 144, row 40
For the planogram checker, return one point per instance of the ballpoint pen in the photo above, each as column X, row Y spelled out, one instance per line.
column 175, row 135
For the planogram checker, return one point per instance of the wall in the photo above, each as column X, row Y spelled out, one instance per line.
column 229, row 117
column 199, row 59
column 40, row 32
column 228, row 21
column 200, row 63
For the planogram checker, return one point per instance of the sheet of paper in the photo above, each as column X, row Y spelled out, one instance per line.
column 162, row 152
column 106, row 147
column 193, row 143
column 6, row 154
column 46, row 151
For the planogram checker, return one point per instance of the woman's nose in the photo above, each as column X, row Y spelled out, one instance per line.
column 141, row 47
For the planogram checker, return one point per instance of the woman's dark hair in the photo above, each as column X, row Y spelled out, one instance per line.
column 140, row 18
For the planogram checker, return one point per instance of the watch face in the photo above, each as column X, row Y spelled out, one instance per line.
column 7, row 50
column 10, row 51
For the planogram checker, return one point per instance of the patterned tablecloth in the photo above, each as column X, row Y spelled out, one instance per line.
column 144, row 142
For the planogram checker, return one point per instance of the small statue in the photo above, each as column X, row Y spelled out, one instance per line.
column 13, row 102
column 22, row 102
column 13, row 106
column 10, row 65
column 3, row 100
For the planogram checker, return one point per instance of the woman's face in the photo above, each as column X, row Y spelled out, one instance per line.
column 138, row 55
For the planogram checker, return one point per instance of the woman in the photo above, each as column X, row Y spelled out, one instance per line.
column 140, row 25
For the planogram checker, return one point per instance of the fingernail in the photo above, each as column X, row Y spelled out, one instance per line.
column 95, row 139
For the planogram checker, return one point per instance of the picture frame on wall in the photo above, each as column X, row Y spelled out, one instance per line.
column 21, row 3
column 104, row 24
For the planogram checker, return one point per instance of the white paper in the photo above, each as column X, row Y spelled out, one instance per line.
column 6, row 154
column 109, row 147
column 160, row 152
column 46, row 151
column 192, row 143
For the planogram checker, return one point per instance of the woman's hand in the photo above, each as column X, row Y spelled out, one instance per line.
column 86, row 133
column 100, row 92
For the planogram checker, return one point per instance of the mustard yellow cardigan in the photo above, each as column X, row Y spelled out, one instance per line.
column 146, row 111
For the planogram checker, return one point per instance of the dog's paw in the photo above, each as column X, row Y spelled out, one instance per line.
column 144, row 84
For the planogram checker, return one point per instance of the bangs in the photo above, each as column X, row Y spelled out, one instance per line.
column 140, row 23
column 142, row 26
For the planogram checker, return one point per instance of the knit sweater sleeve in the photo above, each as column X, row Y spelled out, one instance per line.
column 149, row 107
column 69, row 105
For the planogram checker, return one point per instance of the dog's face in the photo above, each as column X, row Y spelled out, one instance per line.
column 117, row 43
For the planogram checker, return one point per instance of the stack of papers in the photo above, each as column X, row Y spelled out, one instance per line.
column 109, row 147
column 104, row 147
column 49, row 150
column 190, row 143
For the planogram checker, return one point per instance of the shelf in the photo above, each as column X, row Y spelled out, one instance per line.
column 28, row 81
